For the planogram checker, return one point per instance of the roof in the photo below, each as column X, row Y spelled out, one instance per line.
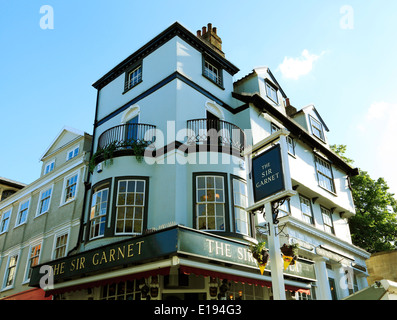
column 377, row 291
column 65, row 128
column 257, row 71
column 12, row 183
column 175, row 29
column 297, row 130
column 315, row 111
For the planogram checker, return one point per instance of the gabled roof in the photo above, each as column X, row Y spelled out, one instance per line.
column 297, row 130
column 56, row 143
column 267, row 70
column 316, row 112
column 175, row 29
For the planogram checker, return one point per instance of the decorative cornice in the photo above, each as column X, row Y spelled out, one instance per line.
column 289, row 220
column 174, row 30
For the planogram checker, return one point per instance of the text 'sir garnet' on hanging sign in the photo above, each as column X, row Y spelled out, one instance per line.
column 267, row 173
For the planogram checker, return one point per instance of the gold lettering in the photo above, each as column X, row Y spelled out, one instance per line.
column 103, row 258
column 139, row 246
column 119, row 252
column 111, row 255
column 130, row 248
column 82, row 261
column 59, row 268
column 94, row 259
column 72, row 265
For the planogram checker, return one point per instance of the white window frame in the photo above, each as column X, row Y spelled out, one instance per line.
column 213, row 73
column 38, row 213
column 17, row 223
column 271, row 92
column 240, row 202
column 58, row 235
column 29, row 259
column 315, row 124
column 100, row 216
column 50, row 166
column 2, row 223
column 328, row 225
column 72, row 153
column 7, row 270
column 205, row 202
column 324, row 179
column 134, row 77
column 65, row 187
column 305, row 215
column 133, row 206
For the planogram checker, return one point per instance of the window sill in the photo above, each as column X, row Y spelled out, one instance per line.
column 67, row 202
column 128, row 89
column 213, row 82
column 331, row 192
column 41, row 214
column 19, row 225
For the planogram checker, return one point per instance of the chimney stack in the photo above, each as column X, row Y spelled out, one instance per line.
column 209, row 36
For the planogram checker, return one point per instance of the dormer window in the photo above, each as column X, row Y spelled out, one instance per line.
column 317, row 128
column 271, row 92
column 49, row 167
column 72, row 153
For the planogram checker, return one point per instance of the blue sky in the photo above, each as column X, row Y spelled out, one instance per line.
column 338, row 55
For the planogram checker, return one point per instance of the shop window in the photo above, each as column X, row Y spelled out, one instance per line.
column 125, row 290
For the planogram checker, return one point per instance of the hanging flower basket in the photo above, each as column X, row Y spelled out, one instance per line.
column 290, row 254
column 261, row 255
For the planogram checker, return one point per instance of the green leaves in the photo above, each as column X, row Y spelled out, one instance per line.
column 374, row 227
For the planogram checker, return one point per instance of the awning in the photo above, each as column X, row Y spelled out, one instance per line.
column 100, row 283
column 32, row 294
column 237, row 278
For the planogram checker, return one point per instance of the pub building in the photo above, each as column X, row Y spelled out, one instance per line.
column 167, row 207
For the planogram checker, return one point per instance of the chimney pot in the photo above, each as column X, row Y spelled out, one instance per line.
column 198, row 33
column 209, row 27
column 204, row 30
column 214, row 29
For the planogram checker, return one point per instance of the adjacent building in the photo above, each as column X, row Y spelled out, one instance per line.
column 41, row 221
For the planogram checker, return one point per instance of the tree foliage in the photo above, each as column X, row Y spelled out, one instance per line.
column 374, row 227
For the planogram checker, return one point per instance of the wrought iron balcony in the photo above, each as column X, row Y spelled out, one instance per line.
column 126, row 134
column 215, row 132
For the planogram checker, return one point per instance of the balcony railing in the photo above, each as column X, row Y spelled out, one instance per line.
column 127, row 134
column 214, row 132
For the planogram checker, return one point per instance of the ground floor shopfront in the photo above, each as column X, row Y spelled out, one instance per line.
column 176, row 263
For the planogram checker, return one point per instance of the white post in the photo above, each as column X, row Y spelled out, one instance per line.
column 276, row 262
column 323, row 292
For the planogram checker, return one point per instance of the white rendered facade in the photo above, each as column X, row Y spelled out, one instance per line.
column 174, row 84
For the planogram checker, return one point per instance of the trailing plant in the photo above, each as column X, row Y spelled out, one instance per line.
column 289, row 251
column 260, row 253
column 107, row 153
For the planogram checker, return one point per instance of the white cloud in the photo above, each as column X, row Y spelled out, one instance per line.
column 378, row 132
column 294, row 68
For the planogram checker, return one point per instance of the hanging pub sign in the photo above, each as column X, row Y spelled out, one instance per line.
column 267, row 174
